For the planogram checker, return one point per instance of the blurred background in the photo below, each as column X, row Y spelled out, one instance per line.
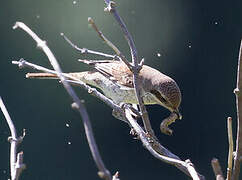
column 195, row 42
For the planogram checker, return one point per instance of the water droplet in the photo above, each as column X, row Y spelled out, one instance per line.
column 37, row 16
column 69, row 143
column 158, row 54
column 67, row 125
column 74, row 2
column 216, row 23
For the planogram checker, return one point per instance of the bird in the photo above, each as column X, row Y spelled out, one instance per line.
column 115, row 80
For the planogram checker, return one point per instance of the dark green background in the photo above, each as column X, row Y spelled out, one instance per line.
column 198, row 42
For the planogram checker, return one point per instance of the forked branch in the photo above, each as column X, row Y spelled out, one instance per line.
column 237, row 91
column 150, row 141
column 103, row 172
column 16, row 159
column 135, row 67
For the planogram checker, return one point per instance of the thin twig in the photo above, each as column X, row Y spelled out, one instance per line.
column 71, row 79
column 237, row 91
column 111, row 8
column 109, row 43
column 231, row 147
column 192, row 171
column 217, row 169
column 116, row 176
column 78, row 104
column 185, row 166
column 136, row 66
column 155, row 148
column 85, row 50
column 16, row 160
column 153, row 143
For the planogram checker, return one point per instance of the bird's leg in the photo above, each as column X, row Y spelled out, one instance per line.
column 166, row 122
column 134, row 112
column 132, row 107
column 119, row 115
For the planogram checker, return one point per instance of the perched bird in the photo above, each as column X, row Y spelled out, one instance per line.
column 115, row 80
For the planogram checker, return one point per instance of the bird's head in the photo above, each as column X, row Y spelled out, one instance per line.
column 167, row 94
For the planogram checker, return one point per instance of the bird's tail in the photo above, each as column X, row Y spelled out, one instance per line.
column 41, row 75
column 73, row 76
column 86, row 76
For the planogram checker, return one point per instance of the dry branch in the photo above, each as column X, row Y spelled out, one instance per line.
column 231, row 148
column 85, row 50
column 78, row 104
column 149, row 140
column 16, row 159
column 217, row 169
column 135, row 67
column 237, row 91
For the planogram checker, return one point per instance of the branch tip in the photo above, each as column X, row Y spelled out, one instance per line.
column 116, row 176
column 141, row 63
column 110, row 7
column 103, row 175
column 20, row 63
column 75, row 105
column 236, row 91
column 17, row 24
column 217, row 169
column 90, row 20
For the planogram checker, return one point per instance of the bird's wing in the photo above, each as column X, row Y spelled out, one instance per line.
column 115, row 70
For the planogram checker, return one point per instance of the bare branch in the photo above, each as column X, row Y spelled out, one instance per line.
column 71, row 79
column 231, row 147
column 136, row 67
column 151, row 145
column 160, row 152
column 116, row 176
column 16, row 163
column 190, row 167
column 156, row 149
column 237, row 91
column 79, row 105
column 111, row 8
column 109, row 43
column 149, row 140
column 85, row 50
column 217, row 169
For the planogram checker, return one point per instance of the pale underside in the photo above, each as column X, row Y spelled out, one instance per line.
column 112, row 89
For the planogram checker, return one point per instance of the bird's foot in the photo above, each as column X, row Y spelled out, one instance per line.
column 119, row 116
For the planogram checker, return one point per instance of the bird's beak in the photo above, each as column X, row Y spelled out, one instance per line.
column 179, row 116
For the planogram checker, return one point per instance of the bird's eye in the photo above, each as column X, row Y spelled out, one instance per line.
column 159, row 96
